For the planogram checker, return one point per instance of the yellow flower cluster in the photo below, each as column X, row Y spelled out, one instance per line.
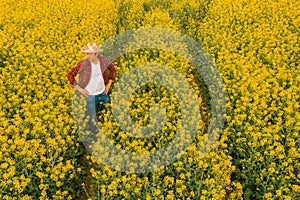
column 255, row 45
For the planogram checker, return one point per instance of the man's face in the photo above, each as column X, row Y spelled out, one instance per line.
column 91, row 56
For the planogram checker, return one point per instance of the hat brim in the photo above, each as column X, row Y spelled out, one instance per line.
column 89, row 51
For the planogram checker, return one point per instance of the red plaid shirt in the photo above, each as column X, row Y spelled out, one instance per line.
column 84, row 70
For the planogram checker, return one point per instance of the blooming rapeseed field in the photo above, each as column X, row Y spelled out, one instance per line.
column 255, row 45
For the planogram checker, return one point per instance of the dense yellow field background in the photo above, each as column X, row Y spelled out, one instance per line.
column 255, row 45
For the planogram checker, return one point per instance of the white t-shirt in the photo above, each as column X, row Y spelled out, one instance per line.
column 96, row 84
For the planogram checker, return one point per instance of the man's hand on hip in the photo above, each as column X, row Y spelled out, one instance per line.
column 82, row 90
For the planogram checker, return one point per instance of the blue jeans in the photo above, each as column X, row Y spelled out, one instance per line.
column 93, row 104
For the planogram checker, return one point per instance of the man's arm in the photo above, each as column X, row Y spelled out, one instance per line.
column 73, row 73
column 107, row 86
column 112, row 73
column 71, row 77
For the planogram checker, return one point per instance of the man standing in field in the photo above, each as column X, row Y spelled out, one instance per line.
column 94, row 83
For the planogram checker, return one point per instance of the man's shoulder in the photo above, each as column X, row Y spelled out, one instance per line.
column 101, row 57
column 104, row 60
column 84, row 62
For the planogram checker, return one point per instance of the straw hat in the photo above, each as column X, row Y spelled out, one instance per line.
column 91, row 47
